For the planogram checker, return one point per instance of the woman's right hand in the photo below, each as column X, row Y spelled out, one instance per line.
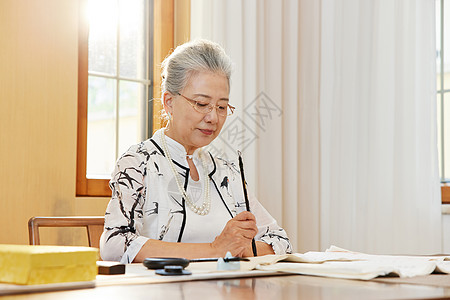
column 237, row 236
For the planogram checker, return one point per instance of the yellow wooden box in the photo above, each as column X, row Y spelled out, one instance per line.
column 23, row 264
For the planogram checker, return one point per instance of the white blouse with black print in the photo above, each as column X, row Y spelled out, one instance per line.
column 146, row 203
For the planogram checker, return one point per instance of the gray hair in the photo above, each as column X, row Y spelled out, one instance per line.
column 191, row 58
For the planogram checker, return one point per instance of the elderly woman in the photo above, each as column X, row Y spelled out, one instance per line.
column 172, row 198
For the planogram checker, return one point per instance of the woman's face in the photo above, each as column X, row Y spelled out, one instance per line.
column 189, row 127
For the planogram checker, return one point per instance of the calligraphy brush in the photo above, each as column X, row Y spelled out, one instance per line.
column 247, row 204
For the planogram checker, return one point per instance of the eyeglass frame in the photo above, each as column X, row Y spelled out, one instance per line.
column 210, row 106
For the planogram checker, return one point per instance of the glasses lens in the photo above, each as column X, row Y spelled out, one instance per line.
column 222, row 110
column 202, row 107
column 207, row 108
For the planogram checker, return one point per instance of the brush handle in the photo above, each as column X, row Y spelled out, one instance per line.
column 247, row 204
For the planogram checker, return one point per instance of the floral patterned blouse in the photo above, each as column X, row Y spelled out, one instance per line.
column 146, row 202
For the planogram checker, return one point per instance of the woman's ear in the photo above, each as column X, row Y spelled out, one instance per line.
column 168, row 102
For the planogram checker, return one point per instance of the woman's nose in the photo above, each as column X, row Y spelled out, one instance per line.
column 212, row 116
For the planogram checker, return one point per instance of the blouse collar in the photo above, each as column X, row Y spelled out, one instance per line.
column 177, row 151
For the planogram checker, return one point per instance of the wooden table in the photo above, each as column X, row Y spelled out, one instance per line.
column 270, row 287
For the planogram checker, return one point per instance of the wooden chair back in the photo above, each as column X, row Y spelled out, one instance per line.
column 94, row 227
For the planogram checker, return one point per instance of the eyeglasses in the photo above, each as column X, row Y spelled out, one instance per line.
column 204, row 108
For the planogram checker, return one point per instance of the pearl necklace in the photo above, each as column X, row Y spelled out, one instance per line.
column 202, row 209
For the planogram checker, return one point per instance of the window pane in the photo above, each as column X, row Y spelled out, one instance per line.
column 131, row 117
column 115, row 122
column 447, row 135
column 439, row 135
column 438, row 43
column 101, row 144
column 133, row 44
column 103, row 36
column 446, row 45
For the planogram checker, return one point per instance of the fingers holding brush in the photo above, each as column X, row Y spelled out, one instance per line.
column 237, row 235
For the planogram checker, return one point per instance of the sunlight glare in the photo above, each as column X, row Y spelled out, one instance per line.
column 103, row 15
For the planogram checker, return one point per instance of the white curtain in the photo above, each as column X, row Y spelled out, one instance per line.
column 336, row 117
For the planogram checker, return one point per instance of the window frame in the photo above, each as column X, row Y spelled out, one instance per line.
column 445, row 193
column 163, row 42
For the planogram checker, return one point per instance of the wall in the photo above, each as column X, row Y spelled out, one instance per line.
column 38, row 118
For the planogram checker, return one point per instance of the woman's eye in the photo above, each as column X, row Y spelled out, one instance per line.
column 222, row 107
column 200, row 104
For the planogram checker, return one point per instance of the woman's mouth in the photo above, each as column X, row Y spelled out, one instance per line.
column 206, row 131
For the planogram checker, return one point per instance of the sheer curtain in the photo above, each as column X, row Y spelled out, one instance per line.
column 379, row 176
column 336, row 117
